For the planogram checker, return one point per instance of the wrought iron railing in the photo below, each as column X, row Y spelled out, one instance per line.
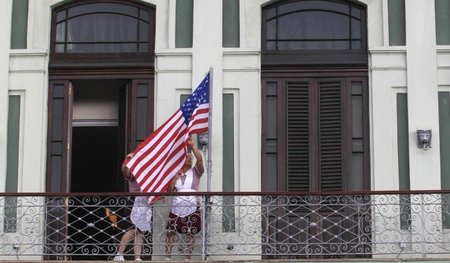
column 234, row 225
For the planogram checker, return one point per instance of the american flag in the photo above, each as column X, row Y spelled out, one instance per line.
column 157, row 159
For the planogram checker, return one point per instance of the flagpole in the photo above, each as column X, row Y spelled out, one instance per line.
column 209, row 162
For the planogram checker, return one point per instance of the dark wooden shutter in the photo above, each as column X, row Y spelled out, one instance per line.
column 297, row 123
column 141, row 108
column 330, row 135
column 121, row 136
column 59, row 131
column 58, row 165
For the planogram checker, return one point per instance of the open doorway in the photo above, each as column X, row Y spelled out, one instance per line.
column 95, row 167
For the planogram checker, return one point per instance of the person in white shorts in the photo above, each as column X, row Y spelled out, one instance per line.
column 141, row 216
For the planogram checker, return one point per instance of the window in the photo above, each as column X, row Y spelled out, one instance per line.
column 184, row 23
column 396, row 13
column 230, row 23
column 313, row 25
column 403, row 159
column 19, row 24
column 444, row 143
column 102, row 29
column 442, row 10
column 228, row 177
column 306, row 32
column 12, row 168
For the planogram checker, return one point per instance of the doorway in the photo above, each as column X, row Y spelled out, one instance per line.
column 95, row 168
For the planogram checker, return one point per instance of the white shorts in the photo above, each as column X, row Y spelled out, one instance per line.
column 141, row 214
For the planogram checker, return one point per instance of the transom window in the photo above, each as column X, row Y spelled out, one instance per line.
column 313, row 25
column 103, row 27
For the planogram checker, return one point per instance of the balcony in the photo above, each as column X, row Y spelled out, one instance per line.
column 235, row 226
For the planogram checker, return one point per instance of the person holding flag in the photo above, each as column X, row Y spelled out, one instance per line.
column 185, row 214
column 161, row 155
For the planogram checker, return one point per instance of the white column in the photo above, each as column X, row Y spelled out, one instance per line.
column 206, row 53
column 422, row 92
column 5, row 41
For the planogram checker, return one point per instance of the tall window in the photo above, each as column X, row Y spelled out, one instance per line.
column 184, row 23
column 230, row 23
column 396, row 14
column 103, row 29
column 442, row 8
column 19, row 24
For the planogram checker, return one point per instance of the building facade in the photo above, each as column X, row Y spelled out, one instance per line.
column 308, row 96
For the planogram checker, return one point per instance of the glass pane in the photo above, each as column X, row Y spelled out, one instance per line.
column 312, row 45
column 230, row 17
column 57, row 121
column 19, row 24
column 403, row 141
column 318, row 5
column 271, row 89
column 397, row 32
column 356, row 44
column 102, row 28
column 356, row 88
column 61, row 15
column 103, row 8
column 444, row 137
column 271, row 13
column 143, row 31
column 271, row 113
column 143, row 47
column 271, row 29
column 356, row 13
column 442, row 8
column 313, row 25
column 12, row 164
column 356, row 29
column 59, row 48
column 61, row 32
column 271, row 45
column 184, row 23
column 101, row 48
column 144, row 15
column 228, row 178
column 355, row 181
column 357, row 117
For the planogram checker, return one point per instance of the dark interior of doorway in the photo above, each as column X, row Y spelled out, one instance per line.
column 95, row 168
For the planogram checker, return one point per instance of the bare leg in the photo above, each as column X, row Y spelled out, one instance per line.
column 169, row 243
column 190, row 239
column 138, row 241
column 126, row 238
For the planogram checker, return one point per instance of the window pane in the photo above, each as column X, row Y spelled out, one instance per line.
column 444, row 133
column 396, row 13
column 313, row 25
column 184, row 23
column 318, row 5
column 61, row 32
column 103, row 8
column 230, row 23
column 403, row 141
column 228, row 224
column 442, row 8
column 19, row 24
column 12, row 167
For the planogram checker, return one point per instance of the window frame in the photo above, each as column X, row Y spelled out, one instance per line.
column 105, row 60
column 318, row 57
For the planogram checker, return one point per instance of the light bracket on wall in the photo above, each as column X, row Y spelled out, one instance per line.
column 424, row 139
column 202, row 140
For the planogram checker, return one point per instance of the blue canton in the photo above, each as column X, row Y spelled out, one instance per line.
column 200, row 96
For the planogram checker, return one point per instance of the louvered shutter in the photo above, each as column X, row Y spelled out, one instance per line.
column 330, row 136
column 297, row 123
